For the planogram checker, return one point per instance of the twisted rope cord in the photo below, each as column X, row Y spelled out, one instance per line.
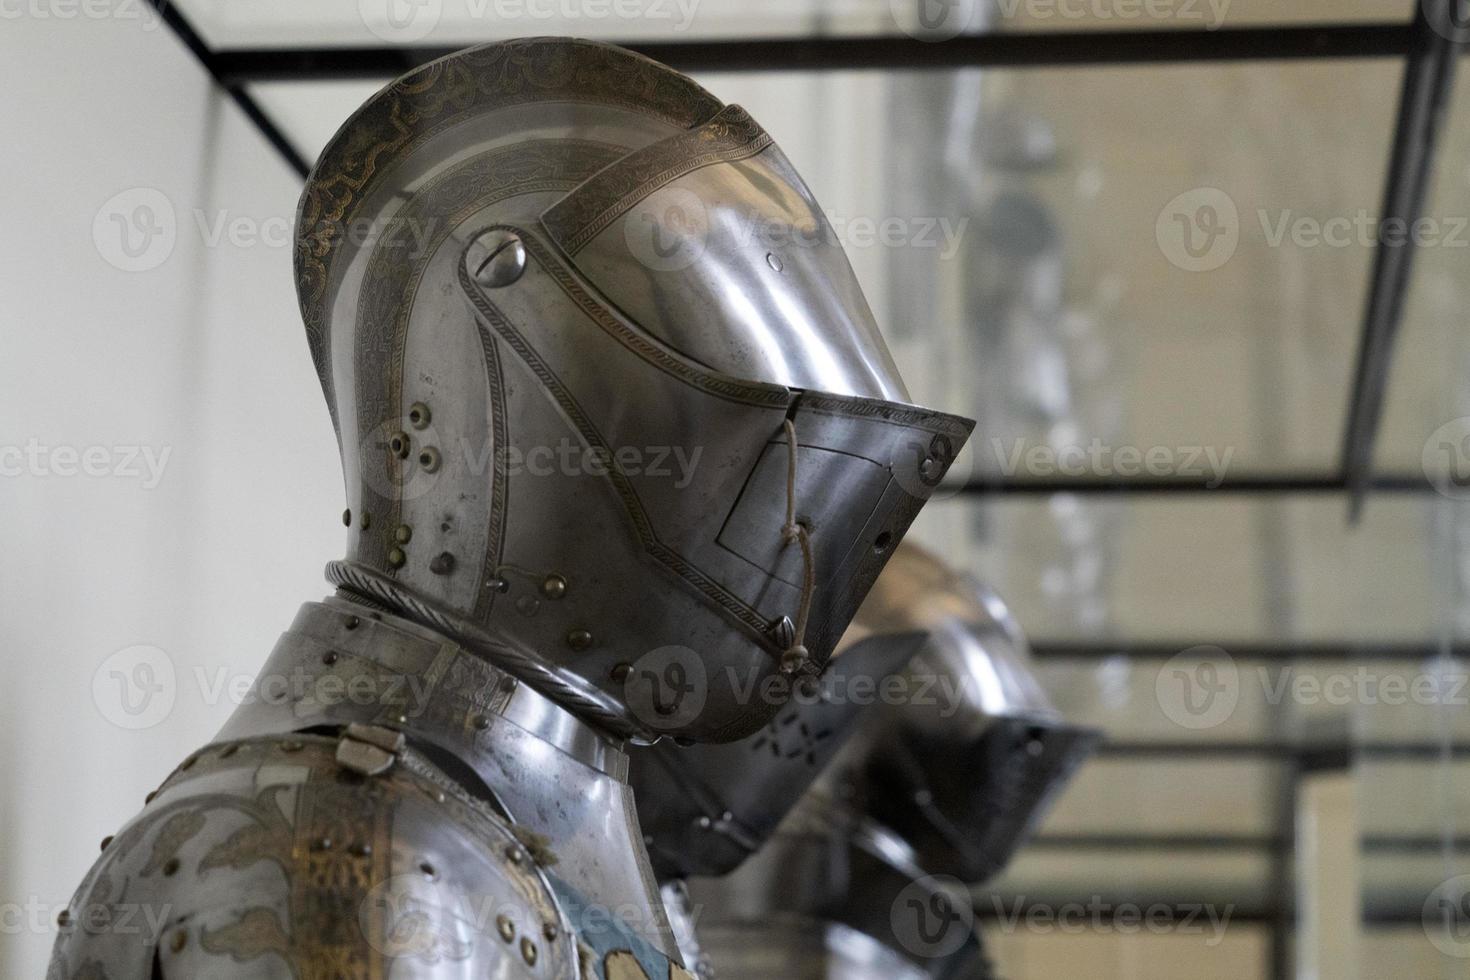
column 795, row 655
column 599, row 710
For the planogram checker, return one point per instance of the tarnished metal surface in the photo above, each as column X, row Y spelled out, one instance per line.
column 264, row 858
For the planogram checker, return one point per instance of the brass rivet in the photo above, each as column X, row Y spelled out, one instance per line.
column 550, row 931
column 429, row 459
column 554, row 587
column 330, row 657
column 622, row 672
column 347, row 518
column 170, row 867
column 507, row 928
column 514, row 854
column 579, row 640
column 403, row 534
column 352, row 622
column 360, row 850
column 442, row 563
column 396, row 557
column 481, row 723
column 63, row 918
column 398, row 445
column 419, row 415
column 322, row 844
column 178, row 941
column 528, row 951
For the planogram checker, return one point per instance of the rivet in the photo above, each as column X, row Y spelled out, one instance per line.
column 579, row 640
column 403, row 534
column 419, row 415
column 622, row 672
column 439, row 796
column 528, row 951
column 705, row 823
column 507, row 928
column 347, row 518
column 514, row 854
column 360, row 850
column 497, row 258
column 554, row 587
column 398, row 445
column 429, row 459
column 550, row 931
column 774, row 261
column 428, row 870
column 105, row 842
column 178, row 941
column 367, row 520
column 352, row 622
column 481, row 723
column 400, row 719
column 442, row 563
column 63, row 917
column 322, row 844
column 497, row 585
column 170, row 867
column 330, row 657
column 396, row 557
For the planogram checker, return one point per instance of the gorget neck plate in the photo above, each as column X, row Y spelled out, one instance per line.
column 560, row 782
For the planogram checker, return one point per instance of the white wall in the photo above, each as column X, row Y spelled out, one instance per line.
column 203, row 358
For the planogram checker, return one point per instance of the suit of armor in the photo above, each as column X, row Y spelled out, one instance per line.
column 855, row 858
column 531, row 274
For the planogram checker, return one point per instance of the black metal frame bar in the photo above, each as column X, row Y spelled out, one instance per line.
column 1429, row 76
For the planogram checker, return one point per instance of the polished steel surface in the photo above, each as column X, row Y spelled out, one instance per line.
column 549, row 772
column 257, row 858
column 629, row 446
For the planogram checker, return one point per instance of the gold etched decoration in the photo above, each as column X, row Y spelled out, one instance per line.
column 177, row 831
column 447, row 92
column 266, row 838
column 623, row 965
column 257, row 933
column 579, row 217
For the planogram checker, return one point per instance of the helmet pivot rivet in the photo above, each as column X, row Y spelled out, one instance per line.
column 497, row 258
